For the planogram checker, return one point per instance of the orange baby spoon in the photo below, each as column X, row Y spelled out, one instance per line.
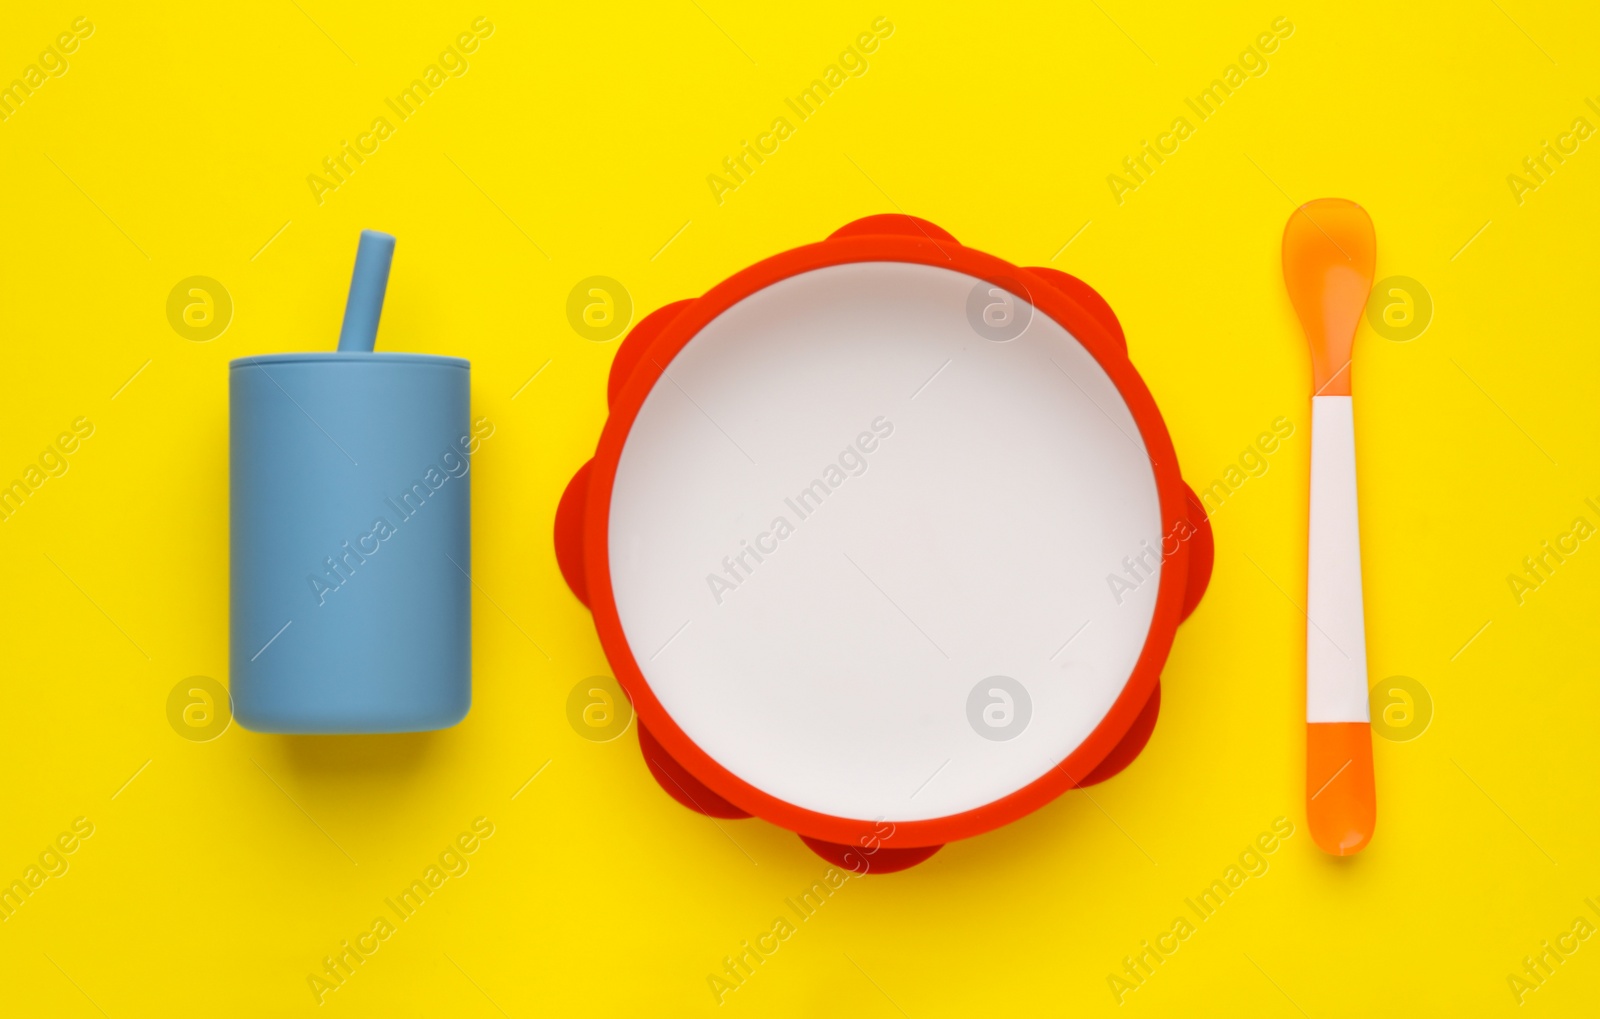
column 1329, row 249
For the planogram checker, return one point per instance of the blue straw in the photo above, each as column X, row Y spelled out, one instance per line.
column 368, row 283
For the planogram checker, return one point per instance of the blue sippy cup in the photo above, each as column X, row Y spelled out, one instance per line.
column 351, row 531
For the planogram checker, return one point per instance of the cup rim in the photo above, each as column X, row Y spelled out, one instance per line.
column 336, row 356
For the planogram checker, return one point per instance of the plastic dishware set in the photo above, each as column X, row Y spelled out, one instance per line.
column 884, row 537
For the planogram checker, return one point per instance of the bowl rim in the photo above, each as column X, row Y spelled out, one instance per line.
column 1046, row 297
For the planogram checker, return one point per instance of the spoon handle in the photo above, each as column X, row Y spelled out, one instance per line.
column 1341, row 803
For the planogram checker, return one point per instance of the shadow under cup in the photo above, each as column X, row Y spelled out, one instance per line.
column 350, row 501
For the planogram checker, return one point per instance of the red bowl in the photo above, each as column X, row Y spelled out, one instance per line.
column 988, row 571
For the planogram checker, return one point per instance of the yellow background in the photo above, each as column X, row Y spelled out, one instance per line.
column 218, row 878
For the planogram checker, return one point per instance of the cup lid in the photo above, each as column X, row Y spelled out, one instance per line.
column 339, row 356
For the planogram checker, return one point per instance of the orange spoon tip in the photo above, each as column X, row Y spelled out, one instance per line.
column 1329, row 252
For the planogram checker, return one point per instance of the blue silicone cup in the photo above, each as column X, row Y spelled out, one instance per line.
column 351, row 542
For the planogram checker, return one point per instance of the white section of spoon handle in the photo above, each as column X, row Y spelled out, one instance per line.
column 1336, row 636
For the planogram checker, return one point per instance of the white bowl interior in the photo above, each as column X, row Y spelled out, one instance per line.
column 969, row 501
